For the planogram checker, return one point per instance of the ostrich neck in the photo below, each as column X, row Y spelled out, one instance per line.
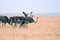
column 36, row 21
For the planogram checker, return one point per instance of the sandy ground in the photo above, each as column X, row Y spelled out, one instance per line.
column 47, row 28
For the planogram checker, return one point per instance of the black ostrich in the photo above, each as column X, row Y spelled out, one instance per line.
column 22, row 20
column 4, row 20
column 29, row 19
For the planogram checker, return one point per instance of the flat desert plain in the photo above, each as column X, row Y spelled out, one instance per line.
column 47, row 28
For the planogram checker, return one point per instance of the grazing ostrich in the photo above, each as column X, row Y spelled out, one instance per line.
column 29, row 19
column 22, row 20
column 4, row 20
column 16, row 19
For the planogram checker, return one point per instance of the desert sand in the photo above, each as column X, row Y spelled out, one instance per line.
column 47, row 28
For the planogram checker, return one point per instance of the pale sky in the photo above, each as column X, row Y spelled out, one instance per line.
column 37, row 6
